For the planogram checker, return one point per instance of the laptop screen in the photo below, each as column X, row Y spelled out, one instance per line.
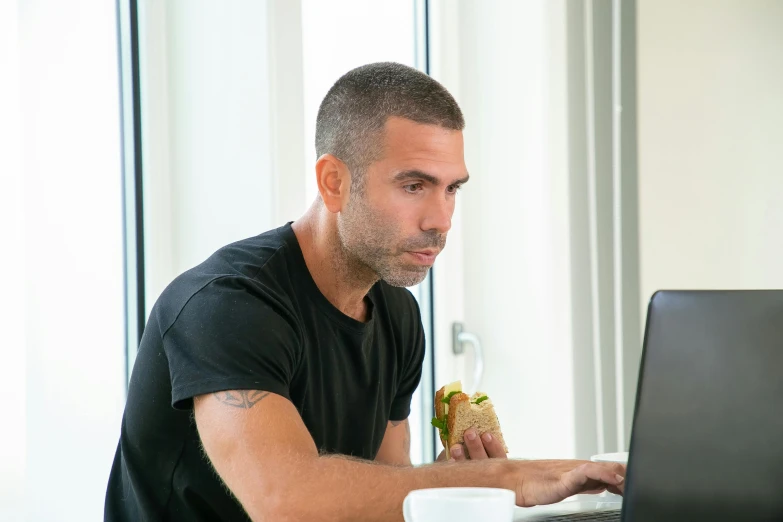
column 707, row 439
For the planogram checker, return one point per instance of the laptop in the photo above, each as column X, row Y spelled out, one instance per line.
column 707, row 437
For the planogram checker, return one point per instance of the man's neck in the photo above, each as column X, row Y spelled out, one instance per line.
column 342, row 280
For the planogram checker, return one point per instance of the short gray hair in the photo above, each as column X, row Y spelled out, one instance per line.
column 353, row 113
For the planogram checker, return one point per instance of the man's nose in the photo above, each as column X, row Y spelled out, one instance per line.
column 439, row 212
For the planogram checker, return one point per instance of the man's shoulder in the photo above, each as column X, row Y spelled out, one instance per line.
column 259, row 266
column 249, row 257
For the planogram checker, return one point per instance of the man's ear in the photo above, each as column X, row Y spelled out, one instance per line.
column 334, row 182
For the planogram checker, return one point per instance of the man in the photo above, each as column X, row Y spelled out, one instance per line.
column 274, row 380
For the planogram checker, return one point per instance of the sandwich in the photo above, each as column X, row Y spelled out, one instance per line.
column 456, row 412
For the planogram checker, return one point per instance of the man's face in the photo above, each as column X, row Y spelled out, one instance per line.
column 397, row 224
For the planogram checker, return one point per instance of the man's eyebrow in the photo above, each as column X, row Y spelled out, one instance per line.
column 429, row 178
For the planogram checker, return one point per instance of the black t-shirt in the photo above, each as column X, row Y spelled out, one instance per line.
column 251, row 317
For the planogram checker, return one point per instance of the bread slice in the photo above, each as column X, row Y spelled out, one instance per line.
column 440, row 412
column 464, row 414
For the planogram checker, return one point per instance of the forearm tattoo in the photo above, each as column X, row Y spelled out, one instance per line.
column 244, row 399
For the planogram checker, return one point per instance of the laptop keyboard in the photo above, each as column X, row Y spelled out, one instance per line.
column 600, row 516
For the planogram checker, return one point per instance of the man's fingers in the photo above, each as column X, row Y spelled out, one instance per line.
column 457, row 452
column 474, row 445
column 477, row 447
column 441, row 457
column 584, row 478
column 613, row 475
column 493, row 447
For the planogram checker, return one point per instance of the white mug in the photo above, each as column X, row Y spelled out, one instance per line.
column 459, row 505
column 621, row 457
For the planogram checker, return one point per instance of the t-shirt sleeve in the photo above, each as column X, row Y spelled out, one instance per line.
column 232, row 334
column 410, row 376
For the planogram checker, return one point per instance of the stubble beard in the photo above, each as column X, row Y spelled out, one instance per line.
column 371, row 246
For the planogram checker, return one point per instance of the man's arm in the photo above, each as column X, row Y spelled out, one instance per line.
column 395, row 448
column 262, row 450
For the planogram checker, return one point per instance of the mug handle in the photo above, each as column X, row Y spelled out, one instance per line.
column 406, row 509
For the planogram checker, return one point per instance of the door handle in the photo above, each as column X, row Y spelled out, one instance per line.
column 459, row 338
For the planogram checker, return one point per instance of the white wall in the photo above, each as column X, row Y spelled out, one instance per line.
column 221, row 115
column 506, row 270
column 63, row 356
column 710, row 136
column 542, row 254
column 13, row 367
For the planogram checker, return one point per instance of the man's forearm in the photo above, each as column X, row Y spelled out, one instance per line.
column 337, row 488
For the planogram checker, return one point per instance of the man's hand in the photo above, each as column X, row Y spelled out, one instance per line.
column 477, row 447
column 555, row 480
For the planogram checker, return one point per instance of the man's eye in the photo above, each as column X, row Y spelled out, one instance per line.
column 412, row 189
column 453, row 189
